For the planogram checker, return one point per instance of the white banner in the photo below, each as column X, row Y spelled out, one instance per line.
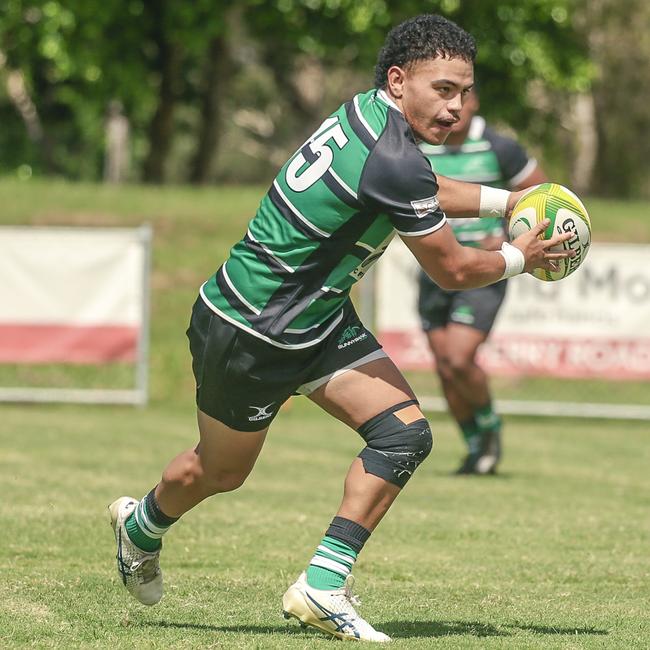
column 595, row 323
column 71, row 294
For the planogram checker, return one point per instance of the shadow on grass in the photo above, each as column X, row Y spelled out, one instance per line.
column 549, row 629
column 413, row 629
column 397, row 629
column 489, row 478
column 244, row 629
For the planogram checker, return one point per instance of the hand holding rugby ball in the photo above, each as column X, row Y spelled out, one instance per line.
column 566, row 214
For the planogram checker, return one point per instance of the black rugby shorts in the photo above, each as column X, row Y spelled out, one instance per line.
column 242, row 380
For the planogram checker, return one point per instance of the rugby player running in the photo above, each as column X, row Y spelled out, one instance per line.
column 276, row 318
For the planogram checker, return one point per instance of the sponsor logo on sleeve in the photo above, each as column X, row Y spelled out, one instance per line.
column 423, row 207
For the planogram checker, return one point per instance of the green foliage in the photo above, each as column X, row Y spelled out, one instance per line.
column 77, row 56
column 620, row 46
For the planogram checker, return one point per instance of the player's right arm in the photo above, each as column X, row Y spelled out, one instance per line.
column 397, row 180
column 454, row 267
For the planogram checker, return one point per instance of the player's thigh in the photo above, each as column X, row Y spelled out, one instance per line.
column 462, row 343
column 438, row 342
column 356, row 396
column 223, row 450
column 471, row 318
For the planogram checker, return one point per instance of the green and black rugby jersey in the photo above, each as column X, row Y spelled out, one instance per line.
column 328, row 216
column 485, row 157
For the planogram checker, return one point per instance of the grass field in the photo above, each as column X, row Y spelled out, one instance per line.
column 552, row 553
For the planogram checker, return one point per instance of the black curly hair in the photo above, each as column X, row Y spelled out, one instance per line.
column 422, row 38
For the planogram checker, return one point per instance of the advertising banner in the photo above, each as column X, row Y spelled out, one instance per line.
column 71, row 295
column 595, row 323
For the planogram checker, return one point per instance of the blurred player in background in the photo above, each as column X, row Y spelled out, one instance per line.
column 458, row 322
column 276, row 318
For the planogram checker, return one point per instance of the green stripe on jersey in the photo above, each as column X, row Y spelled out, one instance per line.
column 317, row 240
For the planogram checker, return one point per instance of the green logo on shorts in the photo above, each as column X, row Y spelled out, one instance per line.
column 350, row 335
column 464, row 314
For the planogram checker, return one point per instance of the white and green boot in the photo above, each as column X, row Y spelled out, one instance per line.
column 139, row 570
column 331, row 612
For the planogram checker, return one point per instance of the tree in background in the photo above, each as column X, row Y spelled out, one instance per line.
column 619, row 46
column 223, row 91
column 77, row 57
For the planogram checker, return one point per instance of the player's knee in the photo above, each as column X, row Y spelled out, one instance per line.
column 224, row 482
column 216, row 480
column 395, row 447
column 458, row 366
column 184, row 471
column 443, row 368
column 189, row 472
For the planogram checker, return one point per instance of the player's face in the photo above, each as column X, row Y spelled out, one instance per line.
column 470, row 107
column 430, row 94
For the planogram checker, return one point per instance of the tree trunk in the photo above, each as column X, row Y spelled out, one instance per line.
column 215, row 83
column 22, row 101
column 161, row 128
column 586, row 142
column 301, row 82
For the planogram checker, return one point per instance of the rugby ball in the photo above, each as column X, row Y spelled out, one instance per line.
column 566, row 213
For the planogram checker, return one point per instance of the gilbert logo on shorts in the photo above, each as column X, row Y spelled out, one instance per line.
column 262, row 412
column 350, row 335
column 423, row 207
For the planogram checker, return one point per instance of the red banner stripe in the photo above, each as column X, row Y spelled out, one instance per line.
column 609, row 358
column 67, row 343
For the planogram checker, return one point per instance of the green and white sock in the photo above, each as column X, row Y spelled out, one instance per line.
column 147, row 524
column 331, row 564
column 336, row 554
column 486, row 419
column 471, row 435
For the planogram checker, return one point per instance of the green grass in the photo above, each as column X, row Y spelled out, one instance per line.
column 553, row 553
column 46, row 375
column 548, row 389
column 550, row 554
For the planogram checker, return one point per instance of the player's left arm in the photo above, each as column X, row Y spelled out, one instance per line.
column 535, row 177
column 458, row 198
column 461, row 199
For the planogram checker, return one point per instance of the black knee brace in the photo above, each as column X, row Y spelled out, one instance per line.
column 395, row 449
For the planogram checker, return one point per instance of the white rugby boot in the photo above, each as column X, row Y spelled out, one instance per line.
column 139, row 570
column 329, row 611
column 490, row 454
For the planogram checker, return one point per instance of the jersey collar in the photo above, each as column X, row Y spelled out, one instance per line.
column 381, row 93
